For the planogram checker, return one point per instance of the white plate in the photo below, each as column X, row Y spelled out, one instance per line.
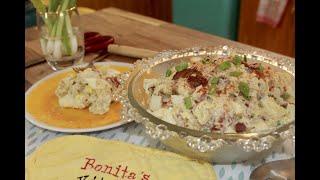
column 32, row 120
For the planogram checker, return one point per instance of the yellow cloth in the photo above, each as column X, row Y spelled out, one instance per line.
column 75, row 157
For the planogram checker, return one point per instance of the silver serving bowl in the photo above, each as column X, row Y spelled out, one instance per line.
column 211, row 147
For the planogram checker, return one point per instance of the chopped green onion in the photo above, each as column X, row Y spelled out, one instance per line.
column 285, row 96
column 239, row 116
column 244, row 90
column 245, row 58
column 260, row 68
column 279, row 123
column 237, row 60
column 214, row 81
column 182, row 66
column 235, row 73
column 188, row 102
column 225, row 65
column 168, row 73
column 212, row 90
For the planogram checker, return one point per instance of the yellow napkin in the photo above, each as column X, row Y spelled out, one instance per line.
column 88, row 158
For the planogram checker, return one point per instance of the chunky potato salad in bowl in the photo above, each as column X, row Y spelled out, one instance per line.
column 222, row 94
column 219, row 104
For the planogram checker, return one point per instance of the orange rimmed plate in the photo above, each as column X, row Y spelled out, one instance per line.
column 42, row 108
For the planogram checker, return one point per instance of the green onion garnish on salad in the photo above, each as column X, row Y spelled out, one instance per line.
column 168, row 73
column 225, row 65
column 214, row 81
column 285, row 96
column 212, row 90
column 237, row 60
column 182, row 66
column 235, row 73
column 260, row 68
column 244, row 90
column 188, row 102
column 278, row 123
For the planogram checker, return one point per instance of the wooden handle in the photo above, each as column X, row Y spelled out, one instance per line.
column 130, row 51
column 32, row 62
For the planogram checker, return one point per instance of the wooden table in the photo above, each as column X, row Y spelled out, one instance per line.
column 132, row 30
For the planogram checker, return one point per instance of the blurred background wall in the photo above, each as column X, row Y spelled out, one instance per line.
column 232, row 19
column 219, row 17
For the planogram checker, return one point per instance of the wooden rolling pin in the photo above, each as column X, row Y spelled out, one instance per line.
column 95, row 42
column 130, row 51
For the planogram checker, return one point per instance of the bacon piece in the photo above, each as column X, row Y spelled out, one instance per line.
column 186, row 73
column 195, row 81
column 240, row 127
column 194, row 77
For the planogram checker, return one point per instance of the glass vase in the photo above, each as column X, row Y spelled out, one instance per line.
column 61, row 38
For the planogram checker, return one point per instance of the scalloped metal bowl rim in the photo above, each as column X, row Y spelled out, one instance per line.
column 178, row 129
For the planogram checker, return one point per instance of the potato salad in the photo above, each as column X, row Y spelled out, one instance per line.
column 222, row 94
column 90, row 89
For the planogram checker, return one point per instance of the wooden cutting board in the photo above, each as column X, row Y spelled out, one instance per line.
column 33, row 52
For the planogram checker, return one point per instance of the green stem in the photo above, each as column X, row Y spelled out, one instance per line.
column 48, row 23
column 54, row 29
column 66, row 39
column 68, row 25
column 61, row 14
column 72, row 3
column 64, row 5
column 59, row 27
column 40, row 7
column 53, row 5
